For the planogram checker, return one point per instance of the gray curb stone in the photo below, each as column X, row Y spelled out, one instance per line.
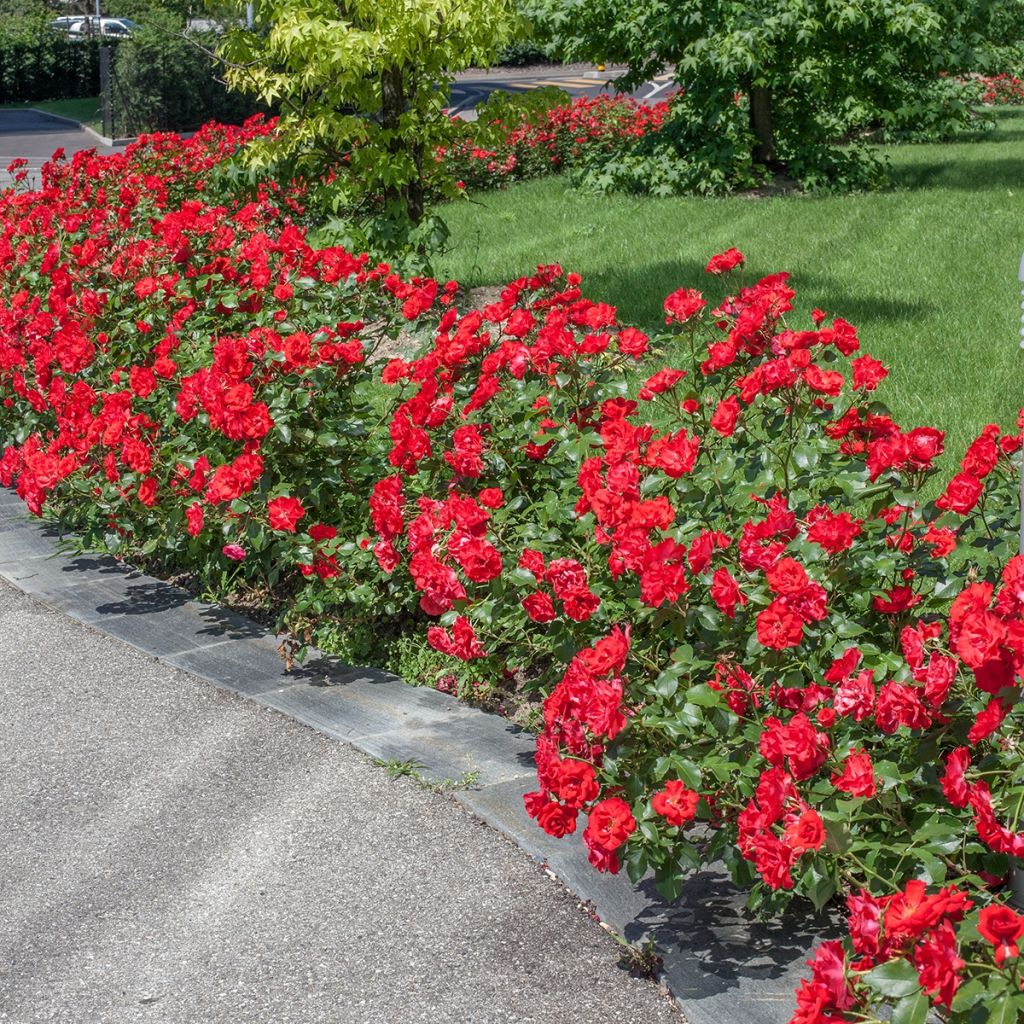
column 721, row 965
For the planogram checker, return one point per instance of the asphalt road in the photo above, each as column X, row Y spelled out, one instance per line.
column 35, row 136
column 173, row 854
column 468, row 90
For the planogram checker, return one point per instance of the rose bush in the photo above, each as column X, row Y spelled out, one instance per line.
column 524, row 143
column 178, row 364
column 786, row 652
column 710, row 550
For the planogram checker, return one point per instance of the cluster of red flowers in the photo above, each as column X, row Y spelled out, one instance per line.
column 555, row 141
column 925, row 930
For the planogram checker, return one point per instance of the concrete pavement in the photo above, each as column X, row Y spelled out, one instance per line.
column 472, row 88
column 175, row 854
column 35, row 136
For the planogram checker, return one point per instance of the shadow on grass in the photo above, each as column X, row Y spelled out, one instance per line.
column 964, row 174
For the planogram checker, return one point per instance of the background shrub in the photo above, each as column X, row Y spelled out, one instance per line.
column 164, row 81
column 37, row 63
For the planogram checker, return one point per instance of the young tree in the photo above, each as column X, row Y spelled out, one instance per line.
column 362, row 86
column 807, row 72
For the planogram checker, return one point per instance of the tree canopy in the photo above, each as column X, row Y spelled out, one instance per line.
column 362, row 86
column 808, row 73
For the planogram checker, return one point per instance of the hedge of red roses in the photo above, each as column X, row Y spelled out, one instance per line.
column 758, row 644
column 495, row 153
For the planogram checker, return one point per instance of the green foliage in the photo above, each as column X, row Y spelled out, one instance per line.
column 362, row 91
column 37, row 63
column 25, row 9
column 521, row 52
column 167, row 80
column 808, row 79
column 684, row 157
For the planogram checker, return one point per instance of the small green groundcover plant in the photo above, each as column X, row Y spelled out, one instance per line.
column 708, row 549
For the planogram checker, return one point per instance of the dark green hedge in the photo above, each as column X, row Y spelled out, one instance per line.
column 163, row 81
column 37, row 63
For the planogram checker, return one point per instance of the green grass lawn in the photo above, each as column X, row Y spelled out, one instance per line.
column 86, row 111
column 926, row 270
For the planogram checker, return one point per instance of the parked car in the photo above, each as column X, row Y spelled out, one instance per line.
column 81, row 27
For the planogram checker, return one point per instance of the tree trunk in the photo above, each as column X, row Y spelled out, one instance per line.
column 415, row 197
column 410, row 196
column 761, row 126
column 392, row 102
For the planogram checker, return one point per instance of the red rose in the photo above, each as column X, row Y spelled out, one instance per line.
column 142, row 381
column 632, row 342
column 557, row 820
column 576, row 783
column 979, row 638
column 868, row 373
column 284, row 513
column 194, row 516
column 938, row 965
column 787, row 578
column 897, row 600
column 826, row 382
column 683, row 304
column 834, row 532
column 924, row 444
column 954, row 781
column 900, row 705
column 539, row 607
column 533, row 562
column 663, row 380
column 610, row 824
column 726, row 593
column 147, row 491
column 675, row 803
column 723, row 419
column 723, row 262
column 480, row 560
column 1002, row 927
column 961, row 494
column 674, row 454
column 778, row 627
column 858, row 776
column 805, row 833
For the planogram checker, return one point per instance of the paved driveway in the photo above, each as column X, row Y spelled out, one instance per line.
column 35, row 136
column 470, row 89
column 173, row 854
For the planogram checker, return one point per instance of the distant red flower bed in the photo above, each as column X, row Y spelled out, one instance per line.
column 1001, row 89
column 554, row 142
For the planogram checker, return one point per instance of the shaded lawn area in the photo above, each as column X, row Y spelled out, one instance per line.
column 85, row 110
column 927, row 270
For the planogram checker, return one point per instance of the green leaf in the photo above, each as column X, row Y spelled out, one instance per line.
column 1006, row 1010
column 912, row 1009
column 667, row 683
column 702, row 695
column 894, row 980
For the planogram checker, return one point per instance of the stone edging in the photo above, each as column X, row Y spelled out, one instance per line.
column 721, row 966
